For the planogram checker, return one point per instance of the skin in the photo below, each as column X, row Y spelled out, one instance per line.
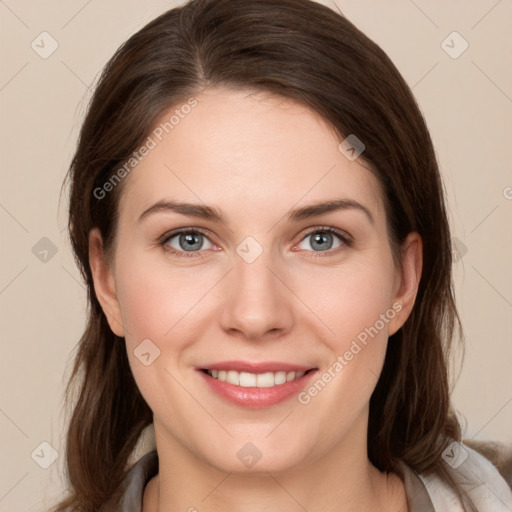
column 256, row 157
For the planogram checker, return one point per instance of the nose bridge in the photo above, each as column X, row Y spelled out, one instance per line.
column 256, row 300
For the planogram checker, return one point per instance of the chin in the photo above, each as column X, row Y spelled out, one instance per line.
column 248, row 457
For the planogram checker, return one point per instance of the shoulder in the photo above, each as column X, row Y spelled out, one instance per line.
column 135, row 482
column 476, row 475
column 499, row 453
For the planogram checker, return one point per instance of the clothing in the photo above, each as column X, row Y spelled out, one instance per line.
column 489, row 492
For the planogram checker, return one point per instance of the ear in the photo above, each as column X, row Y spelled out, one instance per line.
column 407, row 280
column 104, row 284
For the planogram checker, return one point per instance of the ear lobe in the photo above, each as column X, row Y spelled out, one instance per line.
column 104, row 284
column 408, row 280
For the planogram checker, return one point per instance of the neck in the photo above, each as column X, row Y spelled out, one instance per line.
column 343, row 479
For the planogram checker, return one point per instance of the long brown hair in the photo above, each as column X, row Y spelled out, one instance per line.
column 309, row 53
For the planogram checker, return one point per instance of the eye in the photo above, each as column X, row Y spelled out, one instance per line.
column 191, row 242
column 186, row 241
column 325, row 239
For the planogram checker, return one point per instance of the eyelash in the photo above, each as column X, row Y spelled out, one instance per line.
column 346, row 241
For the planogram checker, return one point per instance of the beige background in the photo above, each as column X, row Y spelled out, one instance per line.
column 467, row 102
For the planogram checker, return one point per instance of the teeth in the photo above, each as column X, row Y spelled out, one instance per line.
column 260, row 380
column 279, row 378
column 265, row 380
column 233, row 377
column 247, row 379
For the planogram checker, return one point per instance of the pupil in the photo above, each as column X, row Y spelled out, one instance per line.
column 319, row 237
column 190, row 241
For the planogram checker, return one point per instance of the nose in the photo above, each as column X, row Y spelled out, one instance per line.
column 257, row 302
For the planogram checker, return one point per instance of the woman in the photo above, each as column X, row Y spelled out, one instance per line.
column 258, row 214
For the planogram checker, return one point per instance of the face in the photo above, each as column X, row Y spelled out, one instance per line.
column 264, row 290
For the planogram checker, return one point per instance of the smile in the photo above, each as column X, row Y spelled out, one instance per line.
column 259, row 380
column 255, row 385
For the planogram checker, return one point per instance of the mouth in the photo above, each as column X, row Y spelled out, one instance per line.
column 256, row 385
column 258, row 380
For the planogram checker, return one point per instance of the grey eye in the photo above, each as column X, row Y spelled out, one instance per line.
column 321, row 240
column 189, row 242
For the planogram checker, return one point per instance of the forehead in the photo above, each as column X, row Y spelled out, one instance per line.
column 245, row 150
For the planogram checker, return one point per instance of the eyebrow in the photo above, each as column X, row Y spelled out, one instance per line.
column 213, row 214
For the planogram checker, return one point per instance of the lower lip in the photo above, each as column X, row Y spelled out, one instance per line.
column 254, row 397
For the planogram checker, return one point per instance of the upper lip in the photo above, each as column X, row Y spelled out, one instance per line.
column 256, row 367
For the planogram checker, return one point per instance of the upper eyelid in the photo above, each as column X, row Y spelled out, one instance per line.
column 180, row 231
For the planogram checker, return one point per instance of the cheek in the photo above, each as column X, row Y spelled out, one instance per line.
column 355, row 303
column 351, row 298
column 158, row 305
column 165, row 305
column 154, row 299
